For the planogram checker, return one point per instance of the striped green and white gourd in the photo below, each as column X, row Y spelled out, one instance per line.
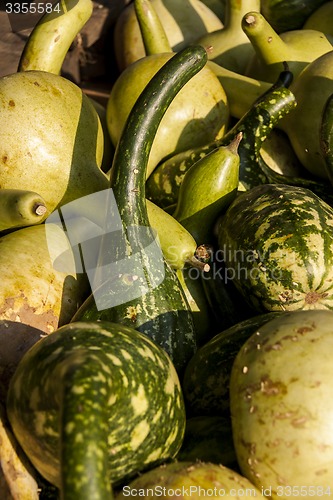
column 93, row 404
column 277, row 243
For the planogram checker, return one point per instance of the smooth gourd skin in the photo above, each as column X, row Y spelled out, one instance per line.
column 281, row 404
column 297, row 48
column 143, row 408
column 50, row 40
column 286, row 15
column 51, row 139
column 199, row 113
column 303, row 124
column 208, row 187
column 182, row 21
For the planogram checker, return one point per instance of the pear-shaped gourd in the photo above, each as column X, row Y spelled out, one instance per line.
column 295, row 47
column 321, row 19
column 194, row 477
column 198, row 115
column 36, row 289
column 312, row 88
column 183, row 22
column 281, row 405
column 208, row 187
column 51, row 139
column 230, row 47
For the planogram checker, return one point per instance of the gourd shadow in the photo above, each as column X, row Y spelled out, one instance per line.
column 85, row 175
column 196, row 21
column 203, row 130
column 15, row 340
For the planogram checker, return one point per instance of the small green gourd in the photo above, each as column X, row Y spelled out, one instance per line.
column 19, row 208
column 208, row 187
column 159, row 309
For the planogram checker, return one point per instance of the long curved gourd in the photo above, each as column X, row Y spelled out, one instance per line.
column 49, row 41
column 164, row 183
column 19, row 208
column 160, row 310
column 93, row 404
column 285, row 15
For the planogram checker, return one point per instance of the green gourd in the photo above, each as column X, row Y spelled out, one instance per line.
column 57, row 158
column 34, row 290
column 50, row 39
column 296, row 47
column 199, row 113
column 326, row 137
column 321, row 19
column 212, row 364
column 229, row 46
column 303, row 125
column 177, row 244
column 164, row 183
column 279, row 266
column 190, row 280
column 93, row 404
column 191, row 476
column 160, row 310
column 208, row 187
column 19, row 208
column 281, row 428
column 182, row 22
column 286, row 15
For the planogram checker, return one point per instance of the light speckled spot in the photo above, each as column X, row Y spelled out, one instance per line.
column 139, row 401
column 139, row 434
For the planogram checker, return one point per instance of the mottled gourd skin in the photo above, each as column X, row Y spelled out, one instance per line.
column 281, row 405
column 145, row 410
column 277, row 245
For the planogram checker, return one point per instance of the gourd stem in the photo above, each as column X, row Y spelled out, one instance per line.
column 155, row 98
column 153, row 33
column 84, row 429
column 268, row 44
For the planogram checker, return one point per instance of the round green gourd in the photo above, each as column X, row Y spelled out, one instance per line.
column 94, row 403
column 276, row 241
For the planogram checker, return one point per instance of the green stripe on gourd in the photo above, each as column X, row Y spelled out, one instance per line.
column 161, row 311
column 101, row 396
column 276, row 242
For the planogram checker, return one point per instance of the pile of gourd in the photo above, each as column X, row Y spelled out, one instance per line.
column 166, row 261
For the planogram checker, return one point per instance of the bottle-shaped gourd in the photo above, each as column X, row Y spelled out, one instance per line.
column 230, row 47
column 297, row 48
